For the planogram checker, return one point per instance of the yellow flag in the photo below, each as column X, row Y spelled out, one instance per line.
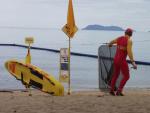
column 70, row 28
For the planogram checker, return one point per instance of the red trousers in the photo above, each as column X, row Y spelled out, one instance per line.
column 120, row 66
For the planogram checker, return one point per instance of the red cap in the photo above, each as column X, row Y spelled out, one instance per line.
column 129, row 31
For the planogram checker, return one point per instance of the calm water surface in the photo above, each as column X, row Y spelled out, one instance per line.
column 84, row 71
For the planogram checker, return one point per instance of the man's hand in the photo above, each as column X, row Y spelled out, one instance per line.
column 110, row 45
column 134, row 65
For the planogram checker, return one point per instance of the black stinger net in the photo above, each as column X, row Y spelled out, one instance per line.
column 105, row 58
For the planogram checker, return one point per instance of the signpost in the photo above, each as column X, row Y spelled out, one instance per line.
column 70, row 29
column 29, row 41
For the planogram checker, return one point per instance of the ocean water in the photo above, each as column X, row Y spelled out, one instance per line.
column 84, row 71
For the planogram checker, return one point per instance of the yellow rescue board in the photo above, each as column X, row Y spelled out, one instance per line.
column 35, row 77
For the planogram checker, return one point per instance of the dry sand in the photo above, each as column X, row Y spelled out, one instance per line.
column 135, row 101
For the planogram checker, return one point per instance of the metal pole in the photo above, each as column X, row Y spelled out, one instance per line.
column 29, row 48
column 69, row 82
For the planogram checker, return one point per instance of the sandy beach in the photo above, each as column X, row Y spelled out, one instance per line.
column 134, row 101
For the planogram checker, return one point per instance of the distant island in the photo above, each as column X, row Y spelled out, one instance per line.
column 100, row 27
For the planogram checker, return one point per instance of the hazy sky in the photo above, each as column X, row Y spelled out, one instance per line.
column 52, row 13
